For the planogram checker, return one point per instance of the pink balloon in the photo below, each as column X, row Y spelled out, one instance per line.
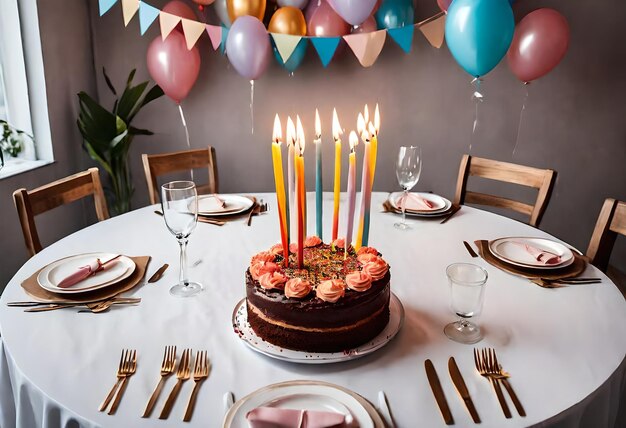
column 444, row 4
column 172, row 66
column 181, row 9
column 354, row 12
column 323, row 21
column 540, row 42
column 367, row 26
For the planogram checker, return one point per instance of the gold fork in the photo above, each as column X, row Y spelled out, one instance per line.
column 167, row 368
column 200, row 373
column 481, row 360
column 121, row 374
column 503, row 376
column 183, row 374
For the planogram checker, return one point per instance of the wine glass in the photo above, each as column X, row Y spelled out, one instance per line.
column 467, row 291
column 408, row 171
column 179, row 201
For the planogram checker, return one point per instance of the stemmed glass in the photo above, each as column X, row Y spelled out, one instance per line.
column 179, row 201
column 467, row 292
column 408, row 169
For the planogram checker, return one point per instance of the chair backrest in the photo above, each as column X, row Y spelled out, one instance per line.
column 540, row 179
column 611, row 222
column 30, row 203
column 156, row 165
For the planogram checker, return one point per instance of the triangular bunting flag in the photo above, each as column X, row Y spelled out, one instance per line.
column 286, row 44
column 224, row 37
column 215, row 34
column 434, row 31
column 147, row 15
column 167, row 22
column 105, row 5
column 325, row 47
column 193, row 30
column 366, row 46
column 403, row 36
column 129, row 9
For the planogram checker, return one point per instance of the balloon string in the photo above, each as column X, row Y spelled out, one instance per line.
column 182, row 118
column 521, row 117
column 478, row 98
column 252, row 105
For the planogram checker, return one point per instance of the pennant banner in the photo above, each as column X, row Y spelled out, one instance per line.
column 147, row 15
column 286, row 44
column 193, row 30
column 167, row 22
column 403, row 36
column 434, row 31
column 325, row 47
column 224, row 37
column 215, row 34
column 129, row 9
column 367, row 46
column 105, row 5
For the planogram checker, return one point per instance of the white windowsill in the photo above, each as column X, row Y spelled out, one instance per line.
column 18, row 166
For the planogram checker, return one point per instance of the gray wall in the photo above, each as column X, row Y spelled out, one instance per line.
column 574, row 121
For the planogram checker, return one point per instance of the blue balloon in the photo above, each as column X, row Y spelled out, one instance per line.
column 296, row 58
column 394, row 14
column 479, row 33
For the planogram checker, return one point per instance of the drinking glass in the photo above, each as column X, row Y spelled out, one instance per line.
column 408, row 171
column 467, row 291
column 179, row 201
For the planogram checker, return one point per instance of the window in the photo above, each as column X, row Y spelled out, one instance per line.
column 23, row 102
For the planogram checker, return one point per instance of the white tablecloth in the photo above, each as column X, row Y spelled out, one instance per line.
column 565, row 348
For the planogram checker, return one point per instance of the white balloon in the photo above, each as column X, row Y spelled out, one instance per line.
column 300, row 4
column 222, row 12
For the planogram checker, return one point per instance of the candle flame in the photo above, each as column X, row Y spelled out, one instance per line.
column 354, row 140
column 299, row 136
column 372, row 129
column 277, row 135
column 366, row 113
column 377, row 119
column 361, row 128
column 291, row 132
column 337, row 131
column 318, row 125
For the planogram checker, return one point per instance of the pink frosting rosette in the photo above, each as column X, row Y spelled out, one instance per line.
column 367, row 250
column 297, row 288
column 263, row 256
column 331, row 290
column 271, row 280
column 259, row 268
column 359, row 281
column 339, row 243
column 366, row 258
column 277, row 249
column 312, row 241
column 293, row 248
column 377, row 268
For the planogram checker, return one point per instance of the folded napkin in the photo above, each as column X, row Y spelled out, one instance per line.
column 86, row 271
column 414, row 202
column 220, row 201
column 542, row 256
column 272, row 417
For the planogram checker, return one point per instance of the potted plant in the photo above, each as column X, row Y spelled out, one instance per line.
column 12, row 141
column 107, row 135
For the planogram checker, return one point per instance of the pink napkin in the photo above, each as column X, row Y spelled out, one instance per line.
column 272, row 417
column 85, row 272
column 542, row 256
column 414, row 203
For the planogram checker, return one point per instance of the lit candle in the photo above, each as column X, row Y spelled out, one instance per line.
column 300, row 138
column 366, row 187
column 373, row 130
column 337, row 185
column 291, row 211
column 354, row 140
column 280, row 187
column 318, row 174
column 300, row 193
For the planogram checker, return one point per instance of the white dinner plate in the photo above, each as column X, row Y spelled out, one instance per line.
column 250, row 338
column 507, row 250
column 441, row 205
column 309, row 395
column 235, row 204
column 55, row 272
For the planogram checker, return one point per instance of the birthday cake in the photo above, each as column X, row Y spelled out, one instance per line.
column 338, row 301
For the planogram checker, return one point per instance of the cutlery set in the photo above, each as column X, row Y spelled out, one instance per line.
column 198, row 371
column 487, row 366
column 94, row 306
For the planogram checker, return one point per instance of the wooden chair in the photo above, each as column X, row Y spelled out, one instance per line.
column 30, row 203
column 540, row 179
column 611, row 222
column 157, row 165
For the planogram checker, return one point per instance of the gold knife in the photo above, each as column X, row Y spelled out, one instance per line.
column 459, row 383
column 158, row 274
column 440, row 397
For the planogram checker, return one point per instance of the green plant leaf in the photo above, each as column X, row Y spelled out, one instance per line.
column 108, row 81
column 138, row 131
column 130, row 101
column 131, row 76
column 95, row 156
column 154, row 93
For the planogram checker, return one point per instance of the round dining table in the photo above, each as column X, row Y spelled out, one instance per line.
column 564, row 348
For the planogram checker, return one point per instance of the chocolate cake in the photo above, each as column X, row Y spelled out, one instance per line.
column 339, row 301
